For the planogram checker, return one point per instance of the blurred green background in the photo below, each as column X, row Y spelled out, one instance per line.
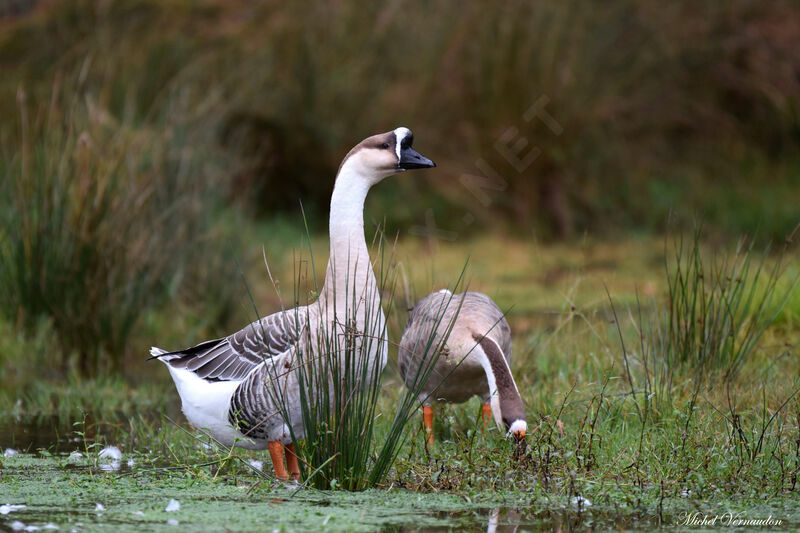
column 149, row 148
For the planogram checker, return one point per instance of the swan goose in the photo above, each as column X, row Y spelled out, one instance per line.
column 222, row 383
column 474, row 359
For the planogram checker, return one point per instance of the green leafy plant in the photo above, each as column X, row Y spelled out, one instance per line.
column 339, row 387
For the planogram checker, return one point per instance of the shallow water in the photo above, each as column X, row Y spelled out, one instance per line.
column 506, row 519
column 28, row 434
column 80, row 493
column 74, row 497
column 59, row 435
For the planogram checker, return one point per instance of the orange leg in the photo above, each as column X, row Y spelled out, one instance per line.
column 276, row 453
column 427, row 418
column 291, row 462
column 487, row 416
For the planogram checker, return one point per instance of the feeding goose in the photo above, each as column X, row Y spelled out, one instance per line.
column 228, row 386
column 473, row 360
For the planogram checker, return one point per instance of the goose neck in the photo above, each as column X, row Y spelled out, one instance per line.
column 506, row 402
column 346, row 221
column 349, row 266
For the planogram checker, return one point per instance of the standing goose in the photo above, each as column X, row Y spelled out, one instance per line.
column 480, row 340
column 223, row 383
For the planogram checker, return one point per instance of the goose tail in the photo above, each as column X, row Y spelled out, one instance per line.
column 156, row 353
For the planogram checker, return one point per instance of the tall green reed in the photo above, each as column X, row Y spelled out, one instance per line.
column 718, row 309
column 338, row 375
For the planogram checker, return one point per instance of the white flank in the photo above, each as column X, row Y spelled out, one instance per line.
column 580, row 501
column 206, row 405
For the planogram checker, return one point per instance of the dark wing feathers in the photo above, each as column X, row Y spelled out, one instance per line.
column 234, row 357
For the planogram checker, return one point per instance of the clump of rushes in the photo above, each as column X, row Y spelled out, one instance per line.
column 720, row 308
column 717, row 311
column 99, row 221
column 339, row 386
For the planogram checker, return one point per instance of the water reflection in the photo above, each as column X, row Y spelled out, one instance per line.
column 509, row 524
column 512, row 520
column 59, row 434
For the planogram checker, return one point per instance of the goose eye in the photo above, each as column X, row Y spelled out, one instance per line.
column 385, row 146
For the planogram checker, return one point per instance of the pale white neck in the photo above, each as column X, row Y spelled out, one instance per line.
column 349, row 270
column 346, row 221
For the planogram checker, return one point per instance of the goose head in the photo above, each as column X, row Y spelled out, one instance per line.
column 380, row 156
column 518, row 428
column 508, row 412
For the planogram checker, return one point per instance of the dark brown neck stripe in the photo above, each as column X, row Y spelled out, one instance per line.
column 511, row 407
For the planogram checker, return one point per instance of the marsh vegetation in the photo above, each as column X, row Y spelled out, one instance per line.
column 641, row 404
column 144, row 162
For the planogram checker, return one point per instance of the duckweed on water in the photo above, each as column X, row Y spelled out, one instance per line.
column 54, row 492
column 75, row 498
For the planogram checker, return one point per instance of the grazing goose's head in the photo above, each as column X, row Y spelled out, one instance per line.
column 508, row 411
column 518, row 428
column 382, row 155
